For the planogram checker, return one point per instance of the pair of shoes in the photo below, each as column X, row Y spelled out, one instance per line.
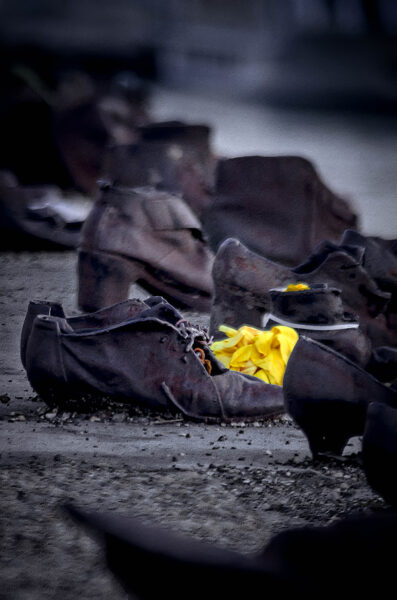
column 34, row 217
column 352, row 555
column 328, row 395
column 243, row 280
column 277, row 206
column 147, row 236
column 151, row 357
column 171, row 156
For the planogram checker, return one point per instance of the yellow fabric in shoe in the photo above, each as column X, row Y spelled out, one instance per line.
column 263, row 354
column 296, row 287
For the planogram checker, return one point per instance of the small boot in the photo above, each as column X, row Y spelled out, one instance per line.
column 171, row 156
column 243, row 280
column 147, row 236
column 277, row 206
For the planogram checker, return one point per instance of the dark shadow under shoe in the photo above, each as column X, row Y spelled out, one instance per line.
column 352, row 555
column 327, row 395
column 155, row 359
column 39, row 217
column 276, row 205
column 243, row 280
column 380, row 450
column 147, row 236
column 111, row 315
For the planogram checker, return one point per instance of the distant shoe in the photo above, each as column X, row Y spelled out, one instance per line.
column 147, row 236
column 327, row 395
column 171, row 156
column 352, row 555
column 154, row 359
column 34, row 217
column 243, row 280
column 277, row 206
column 380, row 450
column 111, row 315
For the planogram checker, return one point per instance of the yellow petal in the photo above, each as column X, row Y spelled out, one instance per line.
column 263, row 342
column 285, row 339
column 295, row 287
column 230, row 332
column 261, row 374
column 240, row 357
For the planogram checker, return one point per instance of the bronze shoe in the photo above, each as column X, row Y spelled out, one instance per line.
column 328, row 395
column 171, row 156
column 111, row 315
column 243, row 280
column 154, row 359
column 147, row 236
column 277, row 206
column 39, row 217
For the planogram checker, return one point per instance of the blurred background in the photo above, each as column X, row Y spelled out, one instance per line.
column 309, row 77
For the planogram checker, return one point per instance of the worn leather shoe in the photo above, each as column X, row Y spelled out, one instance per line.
column 155, row 359
column 328, row 395
column 277, row 206
column 39, row 217
column 148, row 236
column 171, row 156
column 111, row 315
column 243, row 280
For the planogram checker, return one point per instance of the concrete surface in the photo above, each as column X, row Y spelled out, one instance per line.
column 231, row 486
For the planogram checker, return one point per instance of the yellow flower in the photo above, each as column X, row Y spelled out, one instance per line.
column 296, row 287
column 263, row 354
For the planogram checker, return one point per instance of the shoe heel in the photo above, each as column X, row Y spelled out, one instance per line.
column 326, row 443
column 232, row 309
column 104, row 279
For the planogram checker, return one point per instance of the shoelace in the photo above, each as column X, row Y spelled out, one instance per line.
column 193, row 335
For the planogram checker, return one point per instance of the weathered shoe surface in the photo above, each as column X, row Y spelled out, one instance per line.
column 171, row 156
column 328, row 395
column 277, row 206
column 144, row 235
column 379, row 258
column 383, row 363
column 318, row 313
column 352, row 555
column 155, row 359
column 380, row 450
column 111, row 315
column 39, row 216
column 243, row 280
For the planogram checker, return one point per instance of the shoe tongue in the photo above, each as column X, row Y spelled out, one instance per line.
column 162, row 311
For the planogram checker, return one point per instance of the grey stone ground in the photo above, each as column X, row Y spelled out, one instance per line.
column 233, row 486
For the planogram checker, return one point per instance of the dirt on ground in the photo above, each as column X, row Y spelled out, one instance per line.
column 233, row 486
